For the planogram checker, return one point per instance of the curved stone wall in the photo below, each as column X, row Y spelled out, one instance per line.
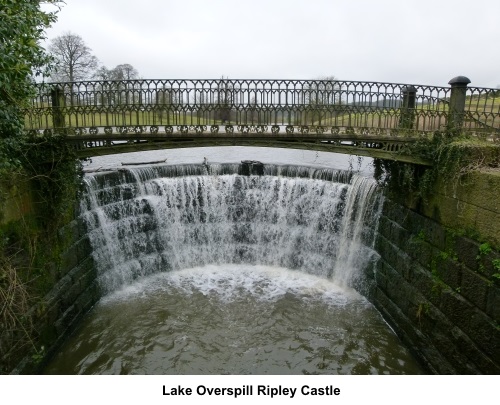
column 438, row 279
column 75, row 291
column 436, row 294
column 435, row 283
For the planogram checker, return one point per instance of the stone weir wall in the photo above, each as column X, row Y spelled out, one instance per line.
column 67, row 277
column 437, row 282
column 72, row 295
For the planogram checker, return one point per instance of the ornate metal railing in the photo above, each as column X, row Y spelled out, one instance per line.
column 108, row 110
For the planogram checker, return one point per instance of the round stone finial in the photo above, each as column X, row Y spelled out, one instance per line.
column 409, row 89
column 459, row 80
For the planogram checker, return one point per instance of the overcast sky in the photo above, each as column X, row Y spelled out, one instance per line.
column 419, row 42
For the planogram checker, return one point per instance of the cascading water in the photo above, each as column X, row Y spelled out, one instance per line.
column 150, row 222
column 251, row 256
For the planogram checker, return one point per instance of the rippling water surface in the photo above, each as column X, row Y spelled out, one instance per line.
column 205, row 271
column 234, row 319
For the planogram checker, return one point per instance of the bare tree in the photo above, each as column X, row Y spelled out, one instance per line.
column 201, row 102
column 115, row 86
column 225, row 99
column 120, row 72
column 103, row 73
column 73, row 58
column 320, row 95
column 167, row 100
column 256, row 112
column 105, row 90
column 124, row 72
column 128, row 92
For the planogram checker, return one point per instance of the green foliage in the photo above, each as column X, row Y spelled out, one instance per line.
column 401, row 179
column 22, row 27
column 453, row 157
column 421, row 235
column 484, row 249
column 9, row 160
column 29, row 247
column 486, row 264
column 55, row 174
column 496, row 266
column 438, row 284
column 45, row 162
column 39, row 355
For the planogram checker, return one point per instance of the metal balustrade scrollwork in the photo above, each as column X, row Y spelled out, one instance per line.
column 316, row 111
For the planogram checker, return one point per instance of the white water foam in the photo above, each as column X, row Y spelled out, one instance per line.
column 144, row 221
column 229, row 282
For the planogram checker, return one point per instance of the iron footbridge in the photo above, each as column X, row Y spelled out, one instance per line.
column 373, row 119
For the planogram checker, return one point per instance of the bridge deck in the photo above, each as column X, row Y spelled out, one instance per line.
column 343, row 140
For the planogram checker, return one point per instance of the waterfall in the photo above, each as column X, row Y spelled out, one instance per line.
column 148, row 220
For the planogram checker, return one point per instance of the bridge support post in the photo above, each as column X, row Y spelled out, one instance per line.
column 457, row 103
column 408, row 108
column 57, row 98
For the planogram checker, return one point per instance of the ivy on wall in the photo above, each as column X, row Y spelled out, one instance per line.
column 45, row 163
column 453, row 157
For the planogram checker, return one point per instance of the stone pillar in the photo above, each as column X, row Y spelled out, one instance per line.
column 457, row 103
column 408, row 107
column 57, row 97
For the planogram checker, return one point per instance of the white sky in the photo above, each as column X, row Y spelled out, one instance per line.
column 418, row 42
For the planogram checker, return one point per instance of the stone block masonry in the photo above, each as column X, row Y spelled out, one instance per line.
column 73, row 294
column 437, row 282
column 440, row 291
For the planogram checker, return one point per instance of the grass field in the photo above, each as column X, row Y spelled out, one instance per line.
column 481, row 112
